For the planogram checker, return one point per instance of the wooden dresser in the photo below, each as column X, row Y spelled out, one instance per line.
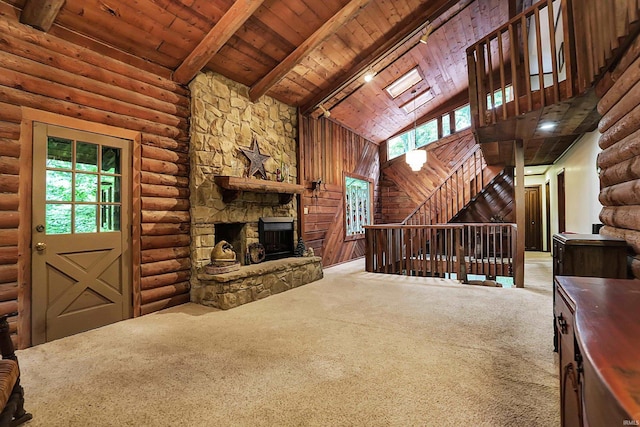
column 588, row 255
column 599, row 350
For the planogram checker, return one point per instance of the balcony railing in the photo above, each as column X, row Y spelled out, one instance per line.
column 551, row 52
column 451, row 250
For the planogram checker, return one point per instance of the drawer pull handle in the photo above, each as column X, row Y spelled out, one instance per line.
column 562, row 323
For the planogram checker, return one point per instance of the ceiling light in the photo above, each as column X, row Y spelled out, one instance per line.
column 529, row 172
column 404, row 83
column 326, row 113
column 427, row 32
column 369, row 76
column 547, row 126
column 416, row 157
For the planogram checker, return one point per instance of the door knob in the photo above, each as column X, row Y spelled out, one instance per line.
column 41, row 246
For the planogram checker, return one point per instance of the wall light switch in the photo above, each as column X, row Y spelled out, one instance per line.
column 306, row 211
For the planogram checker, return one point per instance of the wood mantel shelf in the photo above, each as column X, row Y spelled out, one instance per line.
column 233, row 186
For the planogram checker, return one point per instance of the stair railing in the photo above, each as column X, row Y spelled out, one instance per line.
column 458, row 188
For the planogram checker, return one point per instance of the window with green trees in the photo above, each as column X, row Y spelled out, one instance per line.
column 82, row 187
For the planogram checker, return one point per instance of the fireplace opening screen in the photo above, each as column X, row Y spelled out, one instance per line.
column 276, row 235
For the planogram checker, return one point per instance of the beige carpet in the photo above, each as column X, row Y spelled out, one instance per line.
column 354, row 349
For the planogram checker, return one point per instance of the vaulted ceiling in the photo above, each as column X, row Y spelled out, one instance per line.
column 305, row 53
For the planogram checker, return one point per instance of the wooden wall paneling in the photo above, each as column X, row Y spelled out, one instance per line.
column 329, row 151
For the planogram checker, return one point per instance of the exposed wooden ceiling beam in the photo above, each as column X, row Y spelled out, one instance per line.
column 331, row 26
column 230, row 22
column 40, row 14
column 402, row 32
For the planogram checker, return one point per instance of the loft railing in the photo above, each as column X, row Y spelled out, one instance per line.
column 519, row 58
column 551, row 52
column 450, row 250
column 465, row 182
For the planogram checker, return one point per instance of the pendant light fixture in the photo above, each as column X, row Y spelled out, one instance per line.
column 415, row 158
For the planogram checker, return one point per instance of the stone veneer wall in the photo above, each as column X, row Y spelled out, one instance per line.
column 223, row 120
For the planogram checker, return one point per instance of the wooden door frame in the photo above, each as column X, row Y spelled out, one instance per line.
column 561, row 200
column 547, row 190
column 539, row 190
column 30, row 115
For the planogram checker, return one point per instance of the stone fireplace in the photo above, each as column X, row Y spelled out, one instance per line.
column 224, row 120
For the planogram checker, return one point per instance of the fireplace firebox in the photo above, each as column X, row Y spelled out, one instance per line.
column 276, row 235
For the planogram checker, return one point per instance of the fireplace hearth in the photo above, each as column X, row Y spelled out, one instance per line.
column 276, row 235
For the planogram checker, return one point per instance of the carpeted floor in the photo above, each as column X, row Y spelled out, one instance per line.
column 354, row 349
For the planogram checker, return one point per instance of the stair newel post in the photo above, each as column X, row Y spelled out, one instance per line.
column 520, row 214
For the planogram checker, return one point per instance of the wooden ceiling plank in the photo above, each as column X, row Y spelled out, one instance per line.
column 329, row 27
column 400, row 32
column 40, row 14
column 215, row 39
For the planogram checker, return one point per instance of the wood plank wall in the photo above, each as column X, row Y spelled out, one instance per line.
column 402, row 190
column 45, row 73
column 619, row 161
column 330, row 150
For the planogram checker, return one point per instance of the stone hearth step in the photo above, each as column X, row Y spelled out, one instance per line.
column 254, row 282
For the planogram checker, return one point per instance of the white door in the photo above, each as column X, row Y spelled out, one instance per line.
column 81, row 256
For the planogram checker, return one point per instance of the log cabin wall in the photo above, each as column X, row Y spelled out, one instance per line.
column 41, row 72
column 329, row 150
column 224, row 121
column 619, row 162
column 402, row 190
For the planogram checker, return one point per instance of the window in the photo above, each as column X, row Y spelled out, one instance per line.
column 357, row 206
column 462, row 117
column 399, row 145
column 497, row 96
column 404, row 83
column 446, row 125
column 82, row 187
column 427, row 133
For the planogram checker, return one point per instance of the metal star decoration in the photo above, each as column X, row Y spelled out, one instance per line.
column 257, row 159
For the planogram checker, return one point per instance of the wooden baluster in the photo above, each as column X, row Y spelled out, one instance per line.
column 491, row 87
column 527, row 65
column 554, row 56
column 515, row 61
column 502, row 73
column 481, row 91
column 539, row 54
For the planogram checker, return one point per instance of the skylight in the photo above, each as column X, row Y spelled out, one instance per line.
column 420, row 100
column 404, row 83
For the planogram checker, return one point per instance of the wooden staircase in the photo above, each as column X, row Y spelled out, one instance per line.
column 458, row 190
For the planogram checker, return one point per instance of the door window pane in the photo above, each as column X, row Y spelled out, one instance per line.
column 85, row 219
column 86, row 187
column 110, row 160
column 58, row 218
column 86, row 157
column 59, row 186
column 59, row 153
column 110, row 189
column 110, row 218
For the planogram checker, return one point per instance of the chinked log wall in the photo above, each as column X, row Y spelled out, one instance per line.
column 45, row 73
column 620, row 159
column 329, row 150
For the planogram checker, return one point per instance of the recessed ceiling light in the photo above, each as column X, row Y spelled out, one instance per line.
column 405, row 82
column 547, row 126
